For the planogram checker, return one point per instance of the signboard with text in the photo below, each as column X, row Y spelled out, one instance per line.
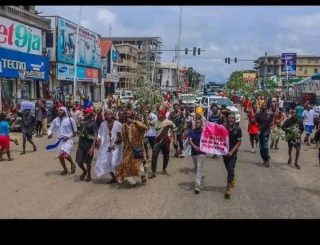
column 15, row 64
column 89, row 49
column 288, row 64
column 84, row 74
column 20, row 37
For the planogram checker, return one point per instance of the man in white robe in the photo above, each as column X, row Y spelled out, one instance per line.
column 110, row 149
column 65, row 127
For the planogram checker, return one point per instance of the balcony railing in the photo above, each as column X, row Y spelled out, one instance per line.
column 21, row 15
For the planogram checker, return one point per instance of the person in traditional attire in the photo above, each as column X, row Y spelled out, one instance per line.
column 65, row 128
column 110, row 147
column 133, row 138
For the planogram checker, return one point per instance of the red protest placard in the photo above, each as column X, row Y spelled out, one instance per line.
column 214, row 139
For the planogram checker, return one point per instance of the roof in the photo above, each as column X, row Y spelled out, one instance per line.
column 105, row 47
column 279, row 56
column 130, row 38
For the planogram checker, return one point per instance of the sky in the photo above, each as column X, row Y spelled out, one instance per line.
column 245, row 32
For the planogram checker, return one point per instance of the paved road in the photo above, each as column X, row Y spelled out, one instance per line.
column 31, row 187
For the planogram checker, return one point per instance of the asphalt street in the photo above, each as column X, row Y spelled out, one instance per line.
column 31, row 187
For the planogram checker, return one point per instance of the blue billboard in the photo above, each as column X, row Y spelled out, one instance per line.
column 288, row 64
column 14, row 64
column 65, row 72
column 89, row 49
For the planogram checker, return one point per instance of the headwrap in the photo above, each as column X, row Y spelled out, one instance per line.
column 62, row 108
column 199, row 110
column 109, row 111
column 162, row 112
column 88, row 110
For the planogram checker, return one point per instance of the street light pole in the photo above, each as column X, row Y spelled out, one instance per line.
column 76, row 58
column 287, row 76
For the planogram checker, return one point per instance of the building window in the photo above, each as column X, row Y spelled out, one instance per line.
column 301, row 68
column 309, row 61
column 315, row 70
column 269, row 69
column 306, row 71
column 26, row 7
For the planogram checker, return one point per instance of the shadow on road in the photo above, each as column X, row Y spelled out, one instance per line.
column 311, row 191
column 189, row 186
column 100, row 181
column 50, row 173
column 125, row 186
column 186, row 170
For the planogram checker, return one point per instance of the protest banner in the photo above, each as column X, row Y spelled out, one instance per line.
column 214, row 139
column 28, row 105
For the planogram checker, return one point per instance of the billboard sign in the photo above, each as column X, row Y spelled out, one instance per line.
column 89, row 49
column 288, row 64
column 84, row 74
column 20, row 37
column 14, row 64
column 249, row 77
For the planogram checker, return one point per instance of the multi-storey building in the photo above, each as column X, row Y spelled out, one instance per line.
column 166, row 75
column 128, row 67
column 148, row 53
column 306, row 66
column 24, row 67
column 61, row 46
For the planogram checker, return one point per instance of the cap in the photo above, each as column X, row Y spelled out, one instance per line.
column 88, row 110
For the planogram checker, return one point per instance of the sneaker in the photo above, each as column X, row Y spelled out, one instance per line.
column 297, row 166
column 164, row 172
column 153, row 175
column 197, row 190
column 233, row 183
column 276, row 148
column 289, row 161
column 252, row 150
column 227, row 194
column 267, row 164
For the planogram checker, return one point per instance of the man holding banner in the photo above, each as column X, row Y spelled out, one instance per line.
column 224, row 141
column 235, row 136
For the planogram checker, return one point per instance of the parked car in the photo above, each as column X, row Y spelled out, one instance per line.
column 207, row 101
column 189, row 100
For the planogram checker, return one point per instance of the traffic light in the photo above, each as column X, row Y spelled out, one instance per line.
column 186, row 50
column 199, row 50
column 235, row 60
column 228, row 60
column 194, row 51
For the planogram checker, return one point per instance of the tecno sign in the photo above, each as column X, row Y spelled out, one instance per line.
column 20, row 37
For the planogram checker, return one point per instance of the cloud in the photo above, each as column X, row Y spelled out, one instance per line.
column 85, row 23
column 106, row 16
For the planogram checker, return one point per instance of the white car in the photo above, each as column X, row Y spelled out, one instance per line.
column 207, row 101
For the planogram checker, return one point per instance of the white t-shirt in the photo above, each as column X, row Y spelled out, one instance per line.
column 308, row 117
column 151, row 132
column 281, row 102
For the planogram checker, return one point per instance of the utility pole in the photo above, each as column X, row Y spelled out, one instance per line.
column 75, row 87
column 178, row 48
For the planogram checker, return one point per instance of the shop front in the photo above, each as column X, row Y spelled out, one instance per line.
column 86, row 78
column 19, row 72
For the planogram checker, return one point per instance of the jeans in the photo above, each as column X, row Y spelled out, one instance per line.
column 198, row 161
column 264, row 148
column 152, row 141
column 164, row 146
column 180, row 141
column 230, row 164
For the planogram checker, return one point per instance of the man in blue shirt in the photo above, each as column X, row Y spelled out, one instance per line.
column 197, row 156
